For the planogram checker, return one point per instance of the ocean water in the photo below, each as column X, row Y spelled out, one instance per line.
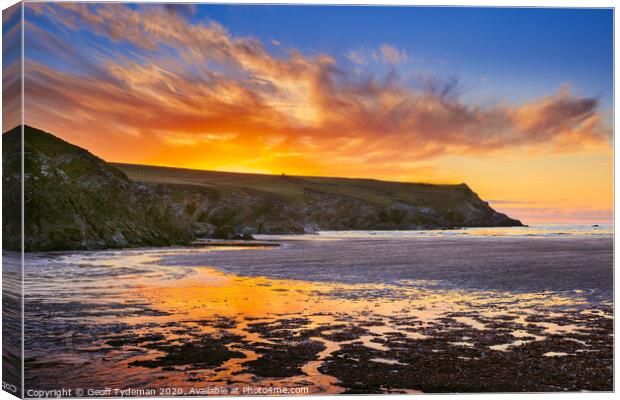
column 534, row 231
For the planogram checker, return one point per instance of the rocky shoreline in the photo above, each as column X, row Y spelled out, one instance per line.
column 160, row 318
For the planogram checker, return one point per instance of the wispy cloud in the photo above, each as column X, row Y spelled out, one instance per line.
column 356, row 57
column 11, row 69
column 392, row 54
column 191, row 81
column 511, row 202
column 535, row 215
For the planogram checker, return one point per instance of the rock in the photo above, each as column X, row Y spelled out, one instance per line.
column 269, row 204
column 74, row 200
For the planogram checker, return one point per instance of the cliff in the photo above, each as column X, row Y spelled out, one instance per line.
column 223, row 204
column 75, row 200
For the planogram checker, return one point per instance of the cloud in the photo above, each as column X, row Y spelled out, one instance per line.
column 11, row 13
column 511, row 202
column 559, row 215
column 11, row 71
column 356, row 57
column 185, row 83
column 187, row 10
column 392, row 54
column 11, row 95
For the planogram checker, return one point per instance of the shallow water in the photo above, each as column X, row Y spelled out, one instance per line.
column 130, row 319
column 533, row 231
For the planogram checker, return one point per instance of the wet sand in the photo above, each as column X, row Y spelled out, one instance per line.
column 353, row 316
column 520, row 265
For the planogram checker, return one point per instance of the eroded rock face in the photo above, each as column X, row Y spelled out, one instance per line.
column 225, row 213
column 74, row 200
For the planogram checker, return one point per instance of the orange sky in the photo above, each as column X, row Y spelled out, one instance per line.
column 225, row 102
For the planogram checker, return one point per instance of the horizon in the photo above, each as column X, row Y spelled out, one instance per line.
column 377, row 94
column 536, row 223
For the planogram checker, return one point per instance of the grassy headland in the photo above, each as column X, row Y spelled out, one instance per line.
column 75, row 200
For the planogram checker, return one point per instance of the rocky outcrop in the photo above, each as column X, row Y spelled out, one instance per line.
column 266, row 213
column 74, row 200
column 227, row 205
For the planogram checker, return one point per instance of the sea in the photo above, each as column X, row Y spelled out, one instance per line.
column 532, row 231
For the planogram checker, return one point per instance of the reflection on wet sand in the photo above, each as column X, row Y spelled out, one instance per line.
column 123, row 320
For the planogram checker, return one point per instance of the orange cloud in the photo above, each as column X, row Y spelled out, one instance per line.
column 11, row 71
column 541, row 215
column 224, row 94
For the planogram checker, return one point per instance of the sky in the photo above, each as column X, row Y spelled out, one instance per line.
column 517, row 103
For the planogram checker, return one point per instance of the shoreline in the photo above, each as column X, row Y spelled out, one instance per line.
column 418, row 234
column 506, row 264
column 519, row 264
column 161, row 322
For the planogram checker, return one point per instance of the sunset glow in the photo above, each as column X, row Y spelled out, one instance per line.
column 525, row 123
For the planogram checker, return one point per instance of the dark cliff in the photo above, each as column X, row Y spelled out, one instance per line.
column 227, row 204
column 75, row 200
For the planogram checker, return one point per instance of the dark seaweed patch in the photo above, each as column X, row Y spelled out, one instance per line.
column 207, row 352
column 283, row 360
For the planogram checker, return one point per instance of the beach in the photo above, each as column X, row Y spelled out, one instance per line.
column 326, row 315
column 512, row 264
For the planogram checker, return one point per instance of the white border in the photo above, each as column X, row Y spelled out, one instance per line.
column 471, row 3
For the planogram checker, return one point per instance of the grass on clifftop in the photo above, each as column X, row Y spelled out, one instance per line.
column 370, row 190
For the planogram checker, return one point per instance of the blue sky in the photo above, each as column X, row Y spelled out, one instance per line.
column 522, row 53
column 518, row 53
column 487, row 96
